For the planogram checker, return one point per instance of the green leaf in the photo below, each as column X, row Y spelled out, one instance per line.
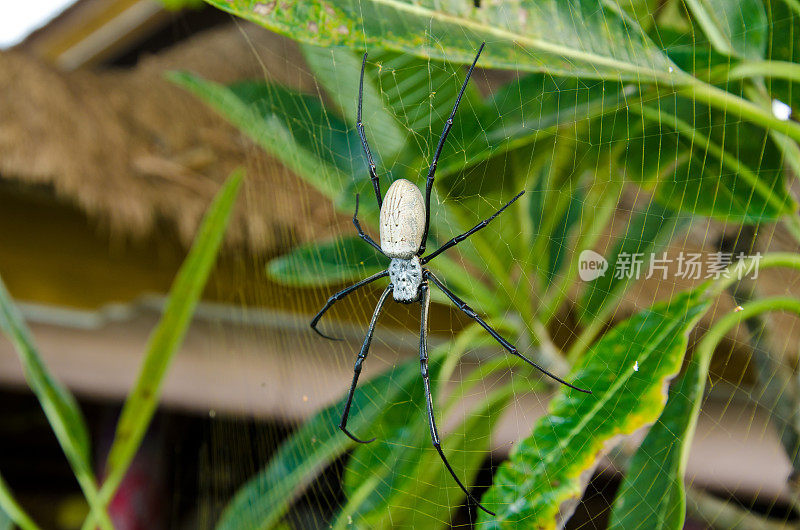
column 401, row 431
column 526, row 110
column 559, row 242
column 690, row 50
column 295, row 128
column 418, row 491
column 326, row 263
column 58, row 404
column 735, row 27
column 647, row 231
column 339, row 70
column 265, row 498
column 582, row 38
column 627, row 370
column 653, row 490
column 168, row 335
column 11, row 512
column 406, row 99
column 640, row 10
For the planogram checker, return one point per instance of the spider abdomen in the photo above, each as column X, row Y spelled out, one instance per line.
column 402, row 222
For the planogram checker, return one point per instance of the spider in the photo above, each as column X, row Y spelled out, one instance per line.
column 404, row 223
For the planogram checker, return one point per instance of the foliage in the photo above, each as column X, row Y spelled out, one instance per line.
column 60, row 406
column 626, row 370
column 611, row 96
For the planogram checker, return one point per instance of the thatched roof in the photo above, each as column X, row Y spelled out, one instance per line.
column 132, row 149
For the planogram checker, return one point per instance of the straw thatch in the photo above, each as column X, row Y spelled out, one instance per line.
column 132, row 149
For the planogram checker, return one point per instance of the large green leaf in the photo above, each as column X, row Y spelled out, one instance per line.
column 646, row 232
column 415, row 467
column 168, row 335
column 652, row 494
column 735, row 27
column 325, row 263
column 266, row 497
column 59, row 405
column 574, row 37
column 417, row 490
column 626, row 369
column 400, row 432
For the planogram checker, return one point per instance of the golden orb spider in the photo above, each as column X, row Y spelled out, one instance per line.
column 404, row 223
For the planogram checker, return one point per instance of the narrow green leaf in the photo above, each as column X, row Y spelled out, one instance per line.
column 626, row 369
column 339, row 70
column 559, row 243
column 326, row 263
column 574, row 38
column 646, row 232
column 735, row 27
column 59, row 405
column 526, row 110
column 653, row 492
column 168, row 335
column 11, row 512
column 266, row 497
column 295, row 128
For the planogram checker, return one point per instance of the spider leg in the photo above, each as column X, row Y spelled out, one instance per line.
column 361, row 233
column 359, row 361
column 338, row 296
column 503, row 342
column 458, row 239
column 360, row 126
column 423, row 362
column 432, row 170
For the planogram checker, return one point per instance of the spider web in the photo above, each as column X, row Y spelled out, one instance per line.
column 736, row 454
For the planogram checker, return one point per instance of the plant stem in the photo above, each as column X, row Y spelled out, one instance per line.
column 777, row 259
column 563, row 163
column 737, row 270
column 586, row 338
column 778, row 69
column 692, row 134
column 737, row 106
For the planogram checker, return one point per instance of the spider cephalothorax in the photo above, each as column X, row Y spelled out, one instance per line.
column 406, row 278
column 404, row 223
